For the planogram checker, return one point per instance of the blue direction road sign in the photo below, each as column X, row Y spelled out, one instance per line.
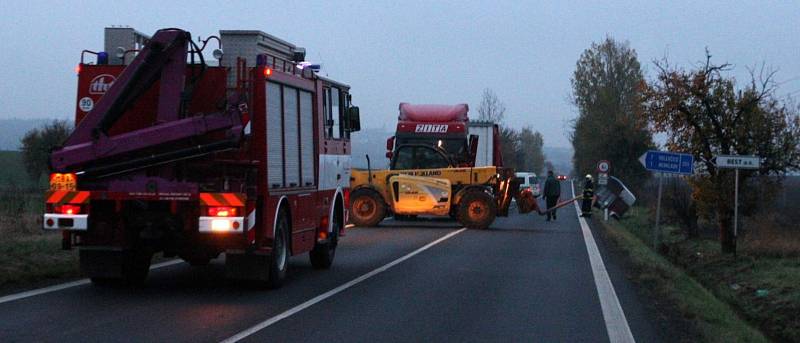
column 668, row 162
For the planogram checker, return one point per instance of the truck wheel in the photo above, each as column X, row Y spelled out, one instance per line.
column 477, row 210
column 104, row 281
column 279, row 261
column 116, row 268
column 198, row 261
column 367, row 208
column 136, row 266
column 322, row 255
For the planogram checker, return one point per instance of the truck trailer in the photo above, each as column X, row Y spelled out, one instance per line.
column 172, row 154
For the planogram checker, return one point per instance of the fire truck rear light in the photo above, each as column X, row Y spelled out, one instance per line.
column 220, row 225
column 50, row 222
column 78, row 69
column 222, row 211
column 267, row 72
column 323, row 235
column 68, row 209
column 235, row 225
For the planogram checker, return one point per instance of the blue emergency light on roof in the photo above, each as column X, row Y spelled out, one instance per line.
column 102, row 58
column 309, row 65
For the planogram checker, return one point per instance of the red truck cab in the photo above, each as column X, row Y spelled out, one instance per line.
column 443, row 126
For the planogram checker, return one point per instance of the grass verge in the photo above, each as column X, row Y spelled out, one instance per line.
column 713, row 319
column 28, row 262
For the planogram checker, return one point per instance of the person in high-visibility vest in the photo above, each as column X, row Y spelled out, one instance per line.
column 588, row 196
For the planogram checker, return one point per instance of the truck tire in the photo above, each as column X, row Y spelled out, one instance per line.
column 117, row 268
column 322, row 255
column 477, row 210
column 367, row 208
column 198, row 261
column 279, row 261
column 136, row 266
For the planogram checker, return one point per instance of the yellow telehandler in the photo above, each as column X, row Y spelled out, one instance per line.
column 423, row 180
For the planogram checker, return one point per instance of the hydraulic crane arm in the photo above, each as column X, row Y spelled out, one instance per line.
column 162, row 59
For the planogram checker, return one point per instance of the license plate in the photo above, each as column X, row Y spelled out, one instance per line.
column 63, row 182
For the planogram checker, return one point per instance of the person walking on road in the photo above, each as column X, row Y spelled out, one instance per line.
column 552, row 191
column 588, row 197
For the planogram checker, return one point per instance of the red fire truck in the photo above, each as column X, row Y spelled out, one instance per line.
column 249, row 157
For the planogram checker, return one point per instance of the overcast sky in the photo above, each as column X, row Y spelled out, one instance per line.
column 408, row 51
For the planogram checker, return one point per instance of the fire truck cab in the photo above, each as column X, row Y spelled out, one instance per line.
column 248, row 156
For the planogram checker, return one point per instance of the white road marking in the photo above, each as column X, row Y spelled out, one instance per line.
column 54, row 288
column 616, row 323
column 288, row 313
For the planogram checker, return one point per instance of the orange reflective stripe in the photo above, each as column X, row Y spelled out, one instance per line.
column 68, row 197
column 232, row 199
column 208, row 199
column 56, row 196
column 80, row 198
column 219, row 198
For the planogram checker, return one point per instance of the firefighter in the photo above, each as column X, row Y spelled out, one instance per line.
column 551, row 193
column 588, row 196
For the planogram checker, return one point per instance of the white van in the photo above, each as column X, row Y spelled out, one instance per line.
column 529, row 181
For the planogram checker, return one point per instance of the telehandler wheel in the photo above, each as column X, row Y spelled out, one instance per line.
column 278, row 263
column 477, row 210
column 367, row 208
column 322, row 255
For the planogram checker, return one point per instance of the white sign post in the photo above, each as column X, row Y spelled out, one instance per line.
column 737, row 162
column 665, row 162
column 602, row 180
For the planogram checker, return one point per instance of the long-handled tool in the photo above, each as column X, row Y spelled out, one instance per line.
column 561, row 204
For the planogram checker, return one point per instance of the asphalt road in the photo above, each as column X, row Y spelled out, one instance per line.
column 523, row 280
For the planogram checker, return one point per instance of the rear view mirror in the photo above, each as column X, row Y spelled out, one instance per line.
column 353, row 119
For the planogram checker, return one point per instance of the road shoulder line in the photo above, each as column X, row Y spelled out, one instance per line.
column 613, row 315
column 55, row 288
column 288, row 313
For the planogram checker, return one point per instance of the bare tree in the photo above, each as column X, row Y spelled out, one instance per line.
column 491, row 109
column 703, row 112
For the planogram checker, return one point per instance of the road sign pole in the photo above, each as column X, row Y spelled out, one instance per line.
column 736, row 213
column 736, row 162
column 657, row 231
